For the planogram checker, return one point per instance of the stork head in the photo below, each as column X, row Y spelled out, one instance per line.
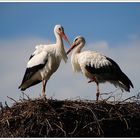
column 79, row 41
column 58, row 29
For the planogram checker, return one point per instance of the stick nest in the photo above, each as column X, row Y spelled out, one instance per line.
column 52, row 118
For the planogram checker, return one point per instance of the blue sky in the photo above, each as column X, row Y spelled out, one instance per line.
column 110, row 21
column 111, row 28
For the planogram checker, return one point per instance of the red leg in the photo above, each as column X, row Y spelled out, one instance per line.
column 97, row 87
column 98, row 92
column 43, row 88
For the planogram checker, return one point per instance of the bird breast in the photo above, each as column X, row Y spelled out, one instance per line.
column 50, row 67
column 75, row 64
column 60, row 52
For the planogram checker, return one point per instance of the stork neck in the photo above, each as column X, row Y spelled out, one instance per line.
column 77, row 49
column 59, row 40
column 60, row 47
column 74, row 59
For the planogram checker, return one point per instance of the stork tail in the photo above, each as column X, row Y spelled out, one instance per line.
column 126, row 81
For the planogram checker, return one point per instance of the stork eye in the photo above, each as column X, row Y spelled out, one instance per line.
column 76, row 39
column 59, row 29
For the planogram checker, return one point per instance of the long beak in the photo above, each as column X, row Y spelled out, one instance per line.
column 65, row 38
column 71, row 48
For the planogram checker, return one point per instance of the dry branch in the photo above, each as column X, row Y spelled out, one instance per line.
column 53, row 118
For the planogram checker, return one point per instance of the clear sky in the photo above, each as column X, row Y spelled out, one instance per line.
column 109, row 21
column 113, row 28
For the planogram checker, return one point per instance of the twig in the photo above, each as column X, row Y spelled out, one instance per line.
column 12, row 99
column 60, row 129
column 7, row 105
column 126, row 99
column 8, row 122
column 72, row 107
column 26, row 95
column 1, row 106
column 76, row 125
column 40, row 131
column 109, row 98
column 100, row 129
column 109, row 92
column 111, row 95
column 127, row 126
column 49, row 124
column 89, row 124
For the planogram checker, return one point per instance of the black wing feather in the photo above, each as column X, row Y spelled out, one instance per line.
column 122, row 76
column 31, row 71
column 31, row 56
column 113, row 70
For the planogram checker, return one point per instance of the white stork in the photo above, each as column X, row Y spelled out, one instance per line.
column 44, row 61
column 97, row 67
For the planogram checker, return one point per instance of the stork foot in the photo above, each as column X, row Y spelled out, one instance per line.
column 43, row 96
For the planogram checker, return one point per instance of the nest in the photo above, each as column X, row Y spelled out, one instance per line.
column 52, row 118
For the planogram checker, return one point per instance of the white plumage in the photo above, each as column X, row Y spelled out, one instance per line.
column 97, row 67
column 44, row 61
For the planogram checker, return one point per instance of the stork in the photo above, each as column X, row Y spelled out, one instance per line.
column 44, row 61
column 97, row 67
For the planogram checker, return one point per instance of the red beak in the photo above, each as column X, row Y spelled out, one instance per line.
column 71, row 47
column 62, row 34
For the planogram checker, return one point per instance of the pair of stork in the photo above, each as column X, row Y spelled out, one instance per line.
column 46, row 59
